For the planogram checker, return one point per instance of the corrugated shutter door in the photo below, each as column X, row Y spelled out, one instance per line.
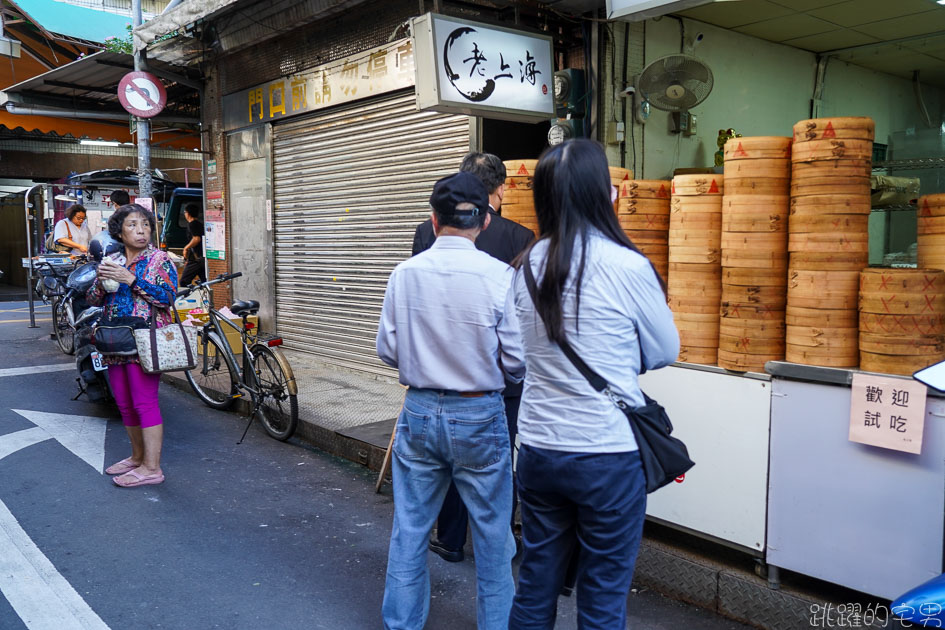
column 351, row 185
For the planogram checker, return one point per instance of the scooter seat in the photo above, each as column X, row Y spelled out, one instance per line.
column 248, row 307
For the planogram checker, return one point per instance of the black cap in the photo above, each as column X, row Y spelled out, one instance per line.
column 462, row 187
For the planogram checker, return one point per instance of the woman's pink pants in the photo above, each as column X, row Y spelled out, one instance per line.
column 136, row 394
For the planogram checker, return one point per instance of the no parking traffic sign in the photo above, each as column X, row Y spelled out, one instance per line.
column 142, row 94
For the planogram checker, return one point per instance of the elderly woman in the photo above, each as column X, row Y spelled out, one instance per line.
column 146, row 278
column 72, row 231
column 581, row 482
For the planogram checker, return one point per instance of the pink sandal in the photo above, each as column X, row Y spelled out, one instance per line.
column 121, row 467
column 139, row 479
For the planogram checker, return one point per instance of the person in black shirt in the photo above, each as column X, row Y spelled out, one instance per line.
column 193, row 250
column 503, row 239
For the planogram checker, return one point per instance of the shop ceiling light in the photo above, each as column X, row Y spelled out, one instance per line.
column 99, row 143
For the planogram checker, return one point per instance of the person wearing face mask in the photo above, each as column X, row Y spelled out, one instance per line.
column 72, row 232
column 145, row 278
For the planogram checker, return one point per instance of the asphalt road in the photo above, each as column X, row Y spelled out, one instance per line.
column 262, row 535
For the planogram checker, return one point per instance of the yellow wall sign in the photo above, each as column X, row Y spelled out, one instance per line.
column 369, row 73
column 887, row 412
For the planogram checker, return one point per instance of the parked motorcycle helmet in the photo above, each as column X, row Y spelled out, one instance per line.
column 102, row 244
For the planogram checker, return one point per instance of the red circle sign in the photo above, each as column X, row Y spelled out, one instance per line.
column 142, row 94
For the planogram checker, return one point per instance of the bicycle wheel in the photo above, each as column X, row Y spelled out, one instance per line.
column 65, row 335
column 278, row 410
column 215, row 377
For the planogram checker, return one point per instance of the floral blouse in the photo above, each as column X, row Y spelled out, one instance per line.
column 155, row 283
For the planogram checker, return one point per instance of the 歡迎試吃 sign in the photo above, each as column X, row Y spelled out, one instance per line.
column 887, row 412
column 481, row 70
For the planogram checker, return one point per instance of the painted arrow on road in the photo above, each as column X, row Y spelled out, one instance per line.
column 43, row 599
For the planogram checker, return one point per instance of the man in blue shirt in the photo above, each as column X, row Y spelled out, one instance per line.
column 450, row 328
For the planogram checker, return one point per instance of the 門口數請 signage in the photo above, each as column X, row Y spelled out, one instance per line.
column 480, row 70
column 369, row 73
column 887, row 412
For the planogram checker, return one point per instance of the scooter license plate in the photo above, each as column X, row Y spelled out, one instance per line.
column 97, row 362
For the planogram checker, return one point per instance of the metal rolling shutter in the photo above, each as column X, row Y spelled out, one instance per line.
column 351, row 185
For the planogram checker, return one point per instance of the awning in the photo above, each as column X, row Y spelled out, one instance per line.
column 73, row 21
column 86, row 91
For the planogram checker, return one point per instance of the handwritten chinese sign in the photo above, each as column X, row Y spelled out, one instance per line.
column 369, row 73
column 887, row 412
column 483, row 70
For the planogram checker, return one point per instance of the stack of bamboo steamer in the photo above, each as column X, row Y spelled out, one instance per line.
column 643, row 213
column 828, row 238
column 694, row 284
column 754, row 251
column 931, row 225
column 518, row 204
column 902, row 319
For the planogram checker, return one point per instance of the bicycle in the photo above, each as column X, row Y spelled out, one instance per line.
column 52, row 288
column 264, row 373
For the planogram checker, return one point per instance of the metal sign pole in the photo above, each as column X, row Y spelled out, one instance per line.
column 144, row 126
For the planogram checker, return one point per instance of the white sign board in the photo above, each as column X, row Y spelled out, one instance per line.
column 481, row 70
column 887, row 412
column 638, row 10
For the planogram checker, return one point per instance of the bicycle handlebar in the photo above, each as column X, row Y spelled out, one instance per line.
column 223, row 277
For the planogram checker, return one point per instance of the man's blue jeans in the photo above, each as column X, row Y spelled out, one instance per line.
column 442, row 437
column 591, row 504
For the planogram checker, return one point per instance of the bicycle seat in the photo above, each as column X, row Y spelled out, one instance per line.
column 250, row 307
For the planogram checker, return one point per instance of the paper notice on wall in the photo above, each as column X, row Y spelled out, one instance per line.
column 214, row 234
column 887, row 412
column 269, row 215
column 145, row 202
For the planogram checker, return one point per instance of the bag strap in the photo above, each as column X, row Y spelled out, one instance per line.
column 153, row 333
column 598, row 382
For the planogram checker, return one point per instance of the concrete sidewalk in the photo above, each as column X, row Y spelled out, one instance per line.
column 351, row 414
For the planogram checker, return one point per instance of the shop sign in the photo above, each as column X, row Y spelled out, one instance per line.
column 214, row 227
column 369, row 73
column 887, row 412
column 482, row 70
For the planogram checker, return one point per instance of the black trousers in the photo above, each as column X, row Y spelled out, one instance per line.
column 193, row 269
column 453, row 520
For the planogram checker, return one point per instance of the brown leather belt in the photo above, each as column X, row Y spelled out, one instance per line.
column 472, row 394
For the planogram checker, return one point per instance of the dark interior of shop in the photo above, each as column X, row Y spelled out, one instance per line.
column 514, row 140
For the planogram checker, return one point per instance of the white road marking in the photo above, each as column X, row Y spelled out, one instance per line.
column 37, row 369
column 42, row 598
column 83, row 435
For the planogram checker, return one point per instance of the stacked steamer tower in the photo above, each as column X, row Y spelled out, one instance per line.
column 829, row 240
column 518, row 204
column 694, row 285
column 643, row 213
column 754, row 251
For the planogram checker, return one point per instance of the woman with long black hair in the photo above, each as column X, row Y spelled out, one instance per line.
column 581, row 483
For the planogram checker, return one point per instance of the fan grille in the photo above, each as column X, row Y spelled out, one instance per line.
column 676, row 83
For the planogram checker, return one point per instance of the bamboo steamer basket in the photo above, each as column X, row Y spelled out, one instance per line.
column 931, row 225
column 643, row 206
column 750, row 311
column 734, row 204
column 932, row 205
column 752, row 345
column 704, row 356
column 929, row 281
column 753, row 294
column 519, row 212
column 655, row 249
column 645, row 189
column 854, row 127
column 741, row 362
column 756, row 147
column 780, row 186
column 902, row 303
column 893, row 324
column 520, row 168
column 829, row 261
column 686, row 221
column 644, row 221
column 823, row 289
column 760, row 328
column 861, row 167
column 826, row 241
column 822, row 356
column 696, row 204
column 896, row 364
column 905, row 345
column 707, row 256
column 819, row 317
column 642, row 238
column 840, row 339
column 754, row 241
column 755, row 259
column 843, row 223
column 931, row 251
column 755, row 222
column 818, row 205
column 519, row 196
column 695, row 185
column 518, row 183
column 758, row 169
column 830, row 185
column 833, row 149
column 694, row 304
column 694, row 288
column 740, row 276
column 699, row 338
column 619, row 175
column 694, row 238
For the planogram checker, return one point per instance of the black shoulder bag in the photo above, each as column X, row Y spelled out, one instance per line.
column 664, row 457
